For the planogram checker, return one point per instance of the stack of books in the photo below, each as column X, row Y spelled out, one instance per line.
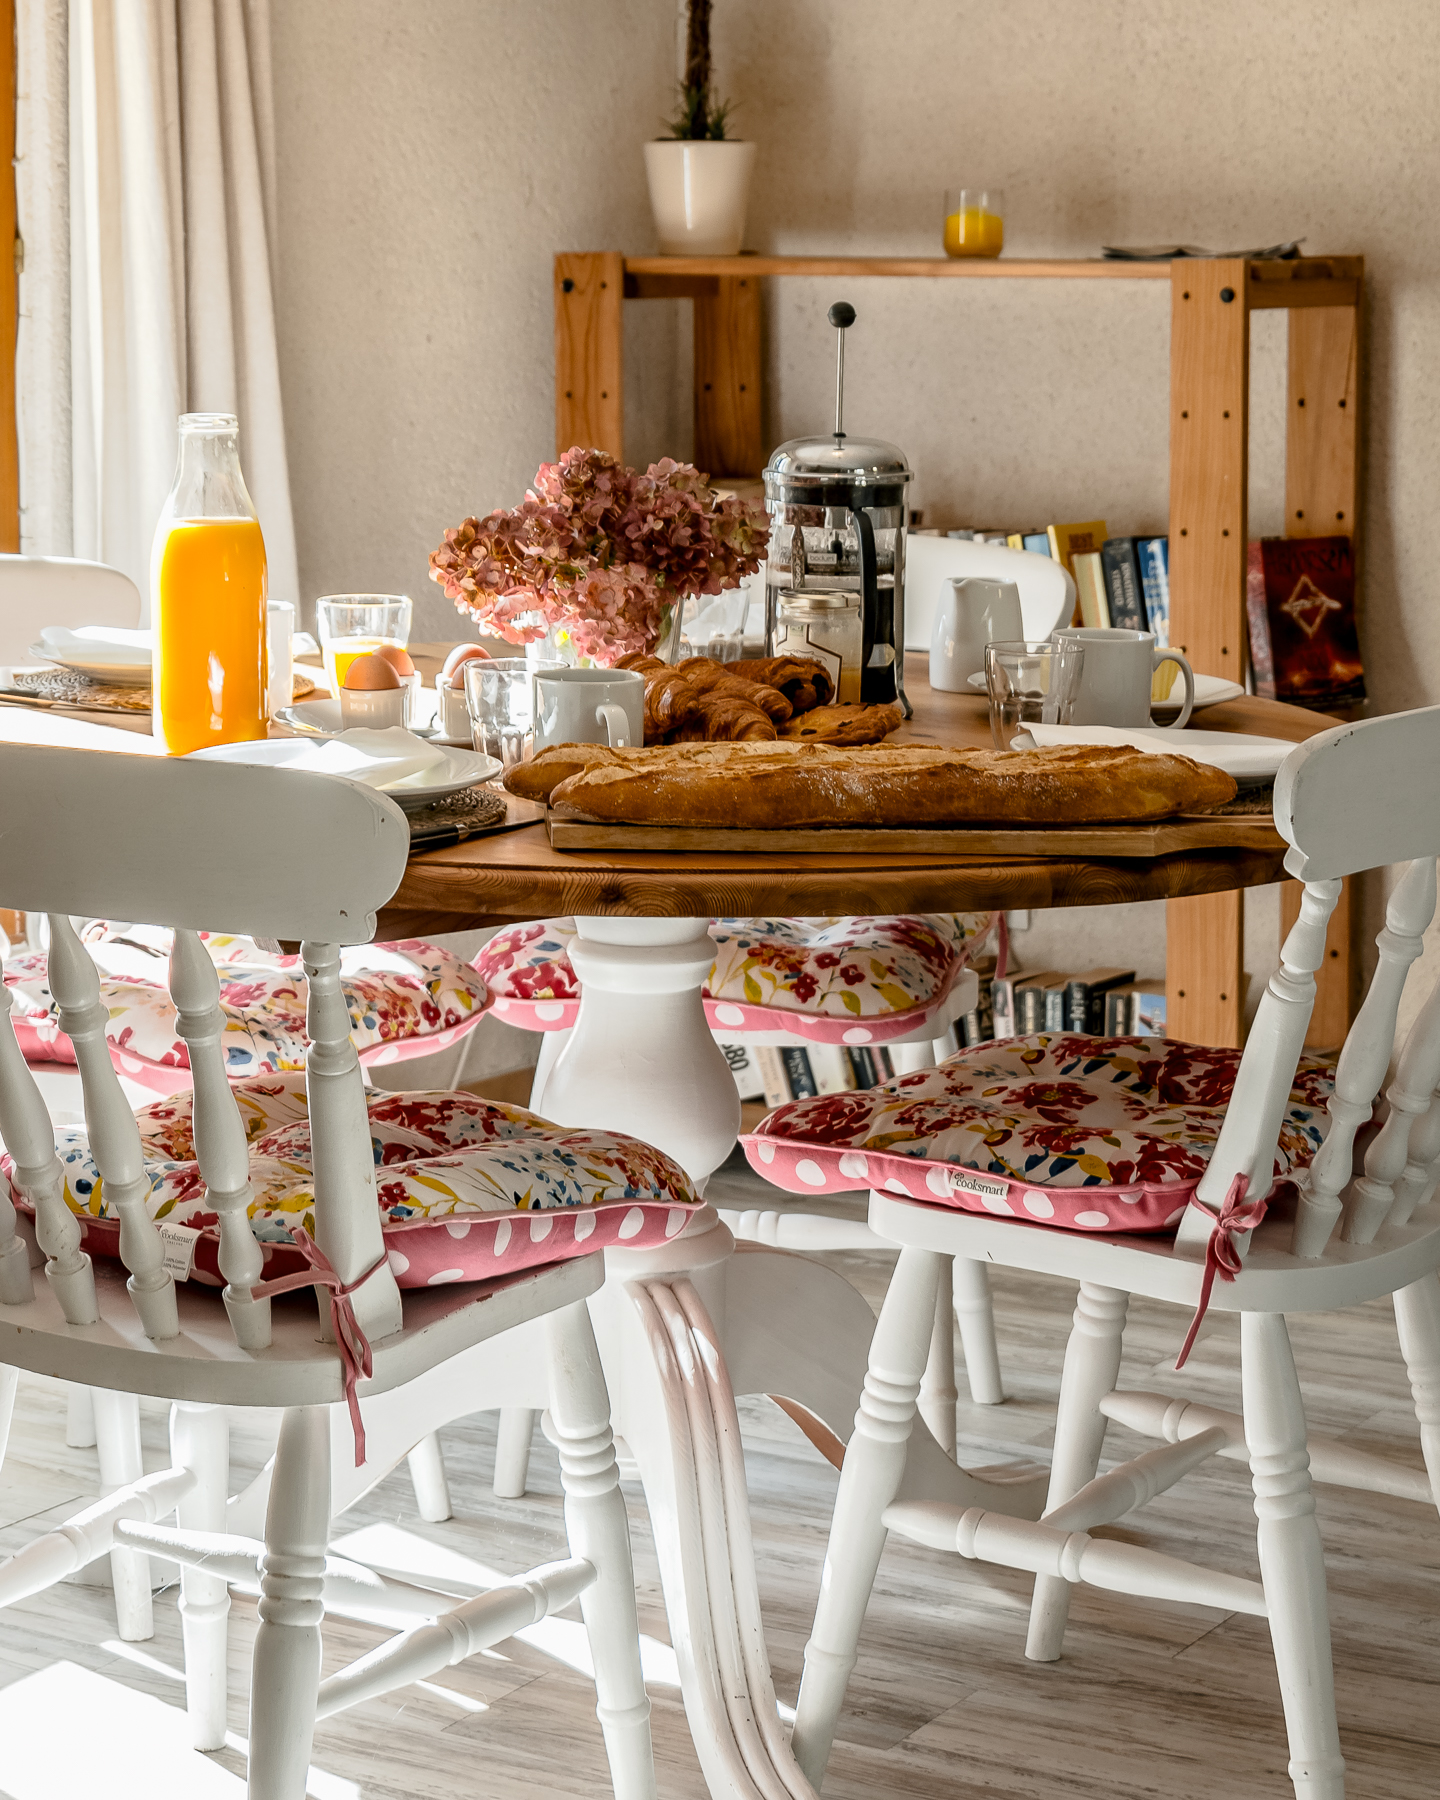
column 1119, row 581
column 1101, row 1002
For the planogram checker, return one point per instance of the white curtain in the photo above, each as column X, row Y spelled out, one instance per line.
column 146, row 181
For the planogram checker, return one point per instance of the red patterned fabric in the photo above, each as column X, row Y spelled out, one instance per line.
column 1090, row 1134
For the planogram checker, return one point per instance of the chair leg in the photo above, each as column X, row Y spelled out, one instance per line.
column 938, row 1394
column 427, row 1477
column 909, row 1059
column 1292, row 1558
column 976, row 1318
column 285, row 1672
column 1417, row 1322
column 200, row 1442
column 79, row 1417
column 869, row 1481
column 117, row 1439
column 595, row 1523
column 1092, row 1367
column 512, row 1452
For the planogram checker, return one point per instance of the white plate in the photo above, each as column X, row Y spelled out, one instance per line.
column 1210, row 690
column 321, row 718
column 467, row 767
column 104, row 653
column 1250, row 760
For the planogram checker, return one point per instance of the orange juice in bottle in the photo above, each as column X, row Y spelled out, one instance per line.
column 208, row 583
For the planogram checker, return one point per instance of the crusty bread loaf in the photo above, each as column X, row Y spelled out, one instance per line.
column 538, row 778
column 845, row 724
column 787, row 785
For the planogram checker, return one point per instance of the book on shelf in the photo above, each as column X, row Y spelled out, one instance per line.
column 1123, row 586
column 1086, row 995
column 1027, row 1001
column 772, row 1073
column 798, row 1076
column 1154, row 556
column 743, row 1065
column 1090, row 593
column 1038, row 541
column 1069, row 541
column 830, row 1068
column 1136, row 1010
column 1300, row 604
column 978, row 1025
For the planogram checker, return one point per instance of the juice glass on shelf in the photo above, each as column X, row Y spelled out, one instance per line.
column 208, row 590
column 354, row 625
column 974, row 221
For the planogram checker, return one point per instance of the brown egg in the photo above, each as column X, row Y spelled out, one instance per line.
column 398, row 659
column 459, row 656
column 372, row 673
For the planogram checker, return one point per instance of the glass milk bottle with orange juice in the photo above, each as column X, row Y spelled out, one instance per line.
column 208, row 587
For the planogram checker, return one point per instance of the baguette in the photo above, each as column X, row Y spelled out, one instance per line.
column 538, row 778
column 788, row 785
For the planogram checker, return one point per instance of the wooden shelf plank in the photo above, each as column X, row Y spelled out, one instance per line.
column 978, row 268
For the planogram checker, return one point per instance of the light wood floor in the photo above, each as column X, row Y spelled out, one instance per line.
column 1149, row 1701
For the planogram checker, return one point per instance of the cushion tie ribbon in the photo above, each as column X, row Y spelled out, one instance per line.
column 354, row 1346
column 1221, row 1256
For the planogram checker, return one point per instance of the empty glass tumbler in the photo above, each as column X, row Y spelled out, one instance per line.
column 1031, row 683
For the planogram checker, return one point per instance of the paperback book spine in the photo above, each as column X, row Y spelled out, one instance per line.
column 862, row 1064
column 1155, row 580
column 1122, row 583
column 749, row 1083
column 772, row 1073
column 797, row 1072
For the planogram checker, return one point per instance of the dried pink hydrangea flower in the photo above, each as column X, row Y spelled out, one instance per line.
column 601, row 549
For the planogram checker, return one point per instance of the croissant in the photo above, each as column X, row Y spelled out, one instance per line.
column 672, row 704
column 729, row 718
column 711, row 677
column 804, row 681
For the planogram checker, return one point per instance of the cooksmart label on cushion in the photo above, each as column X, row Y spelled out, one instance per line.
column 981, row 1187
column 178, row 1243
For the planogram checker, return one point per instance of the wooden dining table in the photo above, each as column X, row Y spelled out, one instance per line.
column 686, row 1328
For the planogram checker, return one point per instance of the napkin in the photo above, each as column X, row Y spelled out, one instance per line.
column 1244, row 758
column 99, row 644
column 380, row 759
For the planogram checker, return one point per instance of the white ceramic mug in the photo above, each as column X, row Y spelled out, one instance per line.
column 589, row 706
column 972, row 612
column 1115, row 684
column 279, row 633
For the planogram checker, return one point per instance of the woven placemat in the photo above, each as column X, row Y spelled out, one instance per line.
column 467, row 813
column 67, row 687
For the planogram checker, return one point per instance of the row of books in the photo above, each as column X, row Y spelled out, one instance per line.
column 1103, row 1002
column 1119, row 581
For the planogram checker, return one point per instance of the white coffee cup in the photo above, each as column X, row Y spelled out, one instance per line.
column 1119, row 668
column 972, row 612
column 589, row 706
column 279, row 633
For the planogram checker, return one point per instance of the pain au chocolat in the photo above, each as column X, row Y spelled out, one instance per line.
column 785, row 785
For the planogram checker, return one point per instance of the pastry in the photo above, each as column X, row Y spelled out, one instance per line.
column 788, row 785
column 803, row 680
column 845, row 724
column 711, row 677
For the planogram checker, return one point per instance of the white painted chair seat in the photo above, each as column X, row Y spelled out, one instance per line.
column 256, row 1343
column 1256, row 1237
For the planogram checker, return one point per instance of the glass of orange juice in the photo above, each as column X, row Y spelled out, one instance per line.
column 354, row 625
column 208, row 589
column 974, row 221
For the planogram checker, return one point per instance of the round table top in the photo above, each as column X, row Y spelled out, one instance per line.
column 517, row 875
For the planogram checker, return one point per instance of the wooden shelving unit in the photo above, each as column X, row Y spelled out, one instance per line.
column 1211, row 304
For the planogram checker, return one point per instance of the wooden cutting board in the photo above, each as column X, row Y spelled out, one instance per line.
column 1169, row 837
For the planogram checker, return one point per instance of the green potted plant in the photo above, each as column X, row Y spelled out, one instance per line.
column 699, row 177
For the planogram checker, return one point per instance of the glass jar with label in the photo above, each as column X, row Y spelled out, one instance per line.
column 827, row 625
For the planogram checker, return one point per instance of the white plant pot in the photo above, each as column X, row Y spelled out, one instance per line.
column 698, row 192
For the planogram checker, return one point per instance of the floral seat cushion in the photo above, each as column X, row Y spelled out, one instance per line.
column 468, row 1189
column 1091, row 1134
column 845, row 981
column 405, row 999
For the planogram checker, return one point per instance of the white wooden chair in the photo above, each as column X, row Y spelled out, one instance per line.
column 1354, row 798
column 36, row 591
column 964, row 1292
column 149, row 1334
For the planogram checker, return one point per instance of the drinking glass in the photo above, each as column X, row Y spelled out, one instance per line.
column 500, row 698
column 354, row 625
column 1031, row 682
column 974, row 221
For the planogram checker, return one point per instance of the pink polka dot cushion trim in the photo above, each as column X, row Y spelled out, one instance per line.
column 1088, row 1134
column 467, row 1189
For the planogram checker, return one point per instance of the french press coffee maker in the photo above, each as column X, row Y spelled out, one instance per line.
column 835, row 571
